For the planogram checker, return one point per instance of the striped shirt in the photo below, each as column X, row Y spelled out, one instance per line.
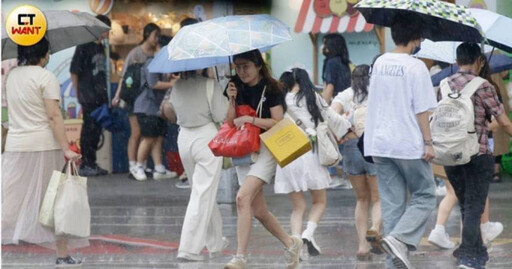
column 486, row 104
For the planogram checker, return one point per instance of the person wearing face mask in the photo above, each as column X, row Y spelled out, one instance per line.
column 88, row 75
column 397, row 136
column 37, row 141
column 471, row 181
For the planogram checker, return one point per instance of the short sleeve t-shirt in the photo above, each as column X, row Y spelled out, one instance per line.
column 148, row 102
column 29, row 126
column 251, row 96
column 337, row 74
column 89, row 64
column 400, row 88
column 136, row 55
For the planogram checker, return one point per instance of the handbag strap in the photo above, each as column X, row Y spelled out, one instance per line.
column 209, row 95
column 296, row 120
column 260, row 104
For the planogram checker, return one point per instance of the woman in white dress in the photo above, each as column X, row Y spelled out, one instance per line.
column 305, row 173
column 361, row 173
column 36, row 140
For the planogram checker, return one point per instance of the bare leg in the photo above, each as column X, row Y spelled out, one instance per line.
column 485, row 215
column 299, row 209
column 62, row 248
column 319, row 200
column 362, row 190
column 248, row 200
column 133, row 142
column 446, row 205
column 146, row 144
column 269, row 221
column 376, row 210
column 156, row 150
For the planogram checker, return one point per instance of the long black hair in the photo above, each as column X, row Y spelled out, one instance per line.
column 254, row 56
column 360, row 82
column 32, row 55
column 334, row 47
column 306, row 90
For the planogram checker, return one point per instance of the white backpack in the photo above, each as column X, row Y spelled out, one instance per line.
column 453, row 125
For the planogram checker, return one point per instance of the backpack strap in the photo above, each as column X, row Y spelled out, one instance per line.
column 468, row 90
column 472, row 86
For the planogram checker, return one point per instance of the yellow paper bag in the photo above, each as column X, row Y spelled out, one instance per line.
column 286, row 141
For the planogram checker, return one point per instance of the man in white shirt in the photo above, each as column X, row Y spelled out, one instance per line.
column 397, row 135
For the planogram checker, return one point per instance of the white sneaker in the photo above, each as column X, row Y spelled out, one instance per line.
column 163, row 175
column 292, row 254
column 225, row 244
column 441, row 240
column 138, row 173
column 490, row 231
column 238, row 262
column 398, row 252
column 313, row 248
column 190, row 257
column 440, row 190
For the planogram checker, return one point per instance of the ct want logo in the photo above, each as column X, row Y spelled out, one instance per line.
column 26, row 25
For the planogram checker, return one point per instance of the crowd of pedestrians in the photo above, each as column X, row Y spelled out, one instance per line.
column 387, row 148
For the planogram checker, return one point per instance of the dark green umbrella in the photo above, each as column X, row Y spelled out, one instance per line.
column 441, row 21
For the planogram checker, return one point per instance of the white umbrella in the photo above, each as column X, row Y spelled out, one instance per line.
column 497, row 28
column 65, row 29
column 444, row 51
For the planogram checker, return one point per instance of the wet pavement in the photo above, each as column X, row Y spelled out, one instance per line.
column 138, row 225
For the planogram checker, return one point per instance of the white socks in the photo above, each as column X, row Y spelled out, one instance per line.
column 160, row 168
column 440, row 228
column 133, row 164
column 310, row 229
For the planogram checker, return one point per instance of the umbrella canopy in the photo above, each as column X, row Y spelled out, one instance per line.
column 212, row 42
column 444, row 51
column 441, row 21
column 495, row 27
column 497, row 63
column 65, row 29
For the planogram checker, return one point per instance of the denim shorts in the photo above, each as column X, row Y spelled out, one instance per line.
column 353, row 161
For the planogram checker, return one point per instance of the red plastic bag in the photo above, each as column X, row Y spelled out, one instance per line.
column 237, row 142
column 174, row 162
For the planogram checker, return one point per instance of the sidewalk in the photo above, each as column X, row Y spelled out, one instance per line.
column 138, row 225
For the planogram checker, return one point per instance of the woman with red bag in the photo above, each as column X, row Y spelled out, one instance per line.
column 254, row 86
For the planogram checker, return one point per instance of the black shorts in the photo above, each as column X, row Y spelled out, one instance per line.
column 151, row 126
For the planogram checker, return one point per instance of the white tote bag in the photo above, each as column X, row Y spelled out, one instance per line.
column 46, row 212
column 72, row 213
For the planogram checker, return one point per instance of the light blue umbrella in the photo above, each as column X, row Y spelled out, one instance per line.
column 213, row 42
column 497, row 28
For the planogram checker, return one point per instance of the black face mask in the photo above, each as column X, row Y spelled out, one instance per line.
column 417, row 49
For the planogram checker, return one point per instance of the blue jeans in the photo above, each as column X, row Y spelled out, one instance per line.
column 333, row 170
column 396, row 179
column 471, row 185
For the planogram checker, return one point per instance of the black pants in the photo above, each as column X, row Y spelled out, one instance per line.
column 471, row 185
column 89, row 137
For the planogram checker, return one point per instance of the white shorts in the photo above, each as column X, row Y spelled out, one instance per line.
column 264, row 168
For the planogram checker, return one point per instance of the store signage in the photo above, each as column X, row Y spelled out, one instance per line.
column 26, row 25
column 326, row 8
